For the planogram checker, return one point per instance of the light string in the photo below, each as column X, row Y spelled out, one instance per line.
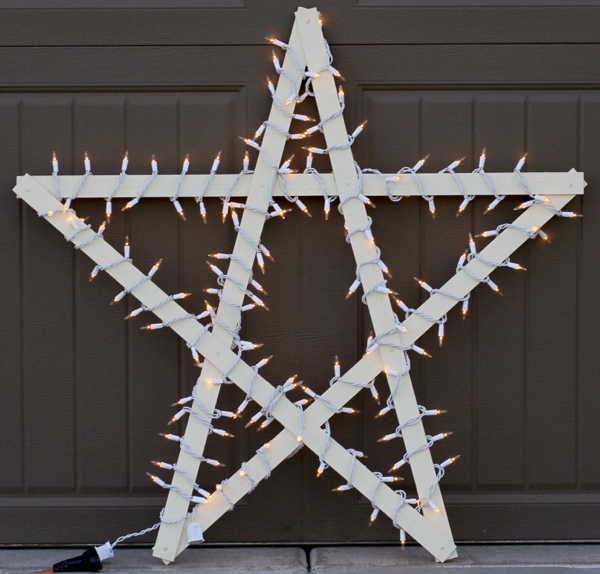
column 467, row 198
column 96, row 235
column 480, row 169
column 55, row 175
column 136, row 199
column 413, row 171
column 88, row 172
column 245, row 171
column 175, row 199
column 200, row 198
column 122, row 175
column 322, row 464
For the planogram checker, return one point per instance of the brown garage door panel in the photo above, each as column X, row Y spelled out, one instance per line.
column 239, row 22
column 481, row 522
column 85, row 393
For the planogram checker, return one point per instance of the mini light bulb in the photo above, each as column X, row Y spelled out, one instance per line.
column 384, row 268
column 216, row 162
column 465, row 308
column 54, row 163
column 125, row 162
column 353, row 288
column 383, row 411
column 482, row 159
column 341, row 95
column 287, row 162
column 431, row 207
column 336, row 367
column 420, row 163
column 359, row 129
column 374, row 391
column 373, row 516
column 127, row 248
column 449, row 461
column 179, row 209
column 521, row 163
column 276, row 61
column 463, row 206
column 492, row 205
column 341, row 488
column 472, row 246
column 87, row 163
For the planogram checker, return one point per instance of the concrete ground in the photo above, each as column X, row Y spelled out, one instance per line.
column 493, row 559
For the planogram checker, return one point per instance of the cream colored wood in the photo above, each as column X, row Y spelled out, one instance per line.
column 172, row 537
column 148, row 293
column 307, row 185
column 380, row 309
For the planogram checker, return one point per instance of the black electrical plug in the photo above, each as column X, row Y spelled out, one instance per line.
column 89, row 561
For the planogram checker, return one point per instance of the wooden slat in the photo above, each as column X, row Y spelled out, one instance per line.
column 306, row 185
column 171, row 537
column 379, row 304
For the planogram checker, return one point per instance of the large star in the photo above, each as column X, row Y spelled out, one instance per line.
column 428, row 523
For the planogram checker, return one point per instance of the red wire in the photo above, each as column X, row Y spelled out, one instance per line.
column 43, row 571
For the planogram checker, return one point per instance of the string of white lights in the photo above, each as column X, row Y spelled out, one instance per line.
column 174, row 199
column 55, row 175
column 466, row 198
column 380, row 480
column 135, row 200
column 428, row 444
column 96, row 235
column 426, row 501
column 322, row 464
column 200, row 198
column 245, row 171
column 480, row 169
column 326, row 197
column 88, row 171
column 122, row 175
column 413, row 171
column 151, row 273
column 185, row 447
column 423, row 412
column 277, row 393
